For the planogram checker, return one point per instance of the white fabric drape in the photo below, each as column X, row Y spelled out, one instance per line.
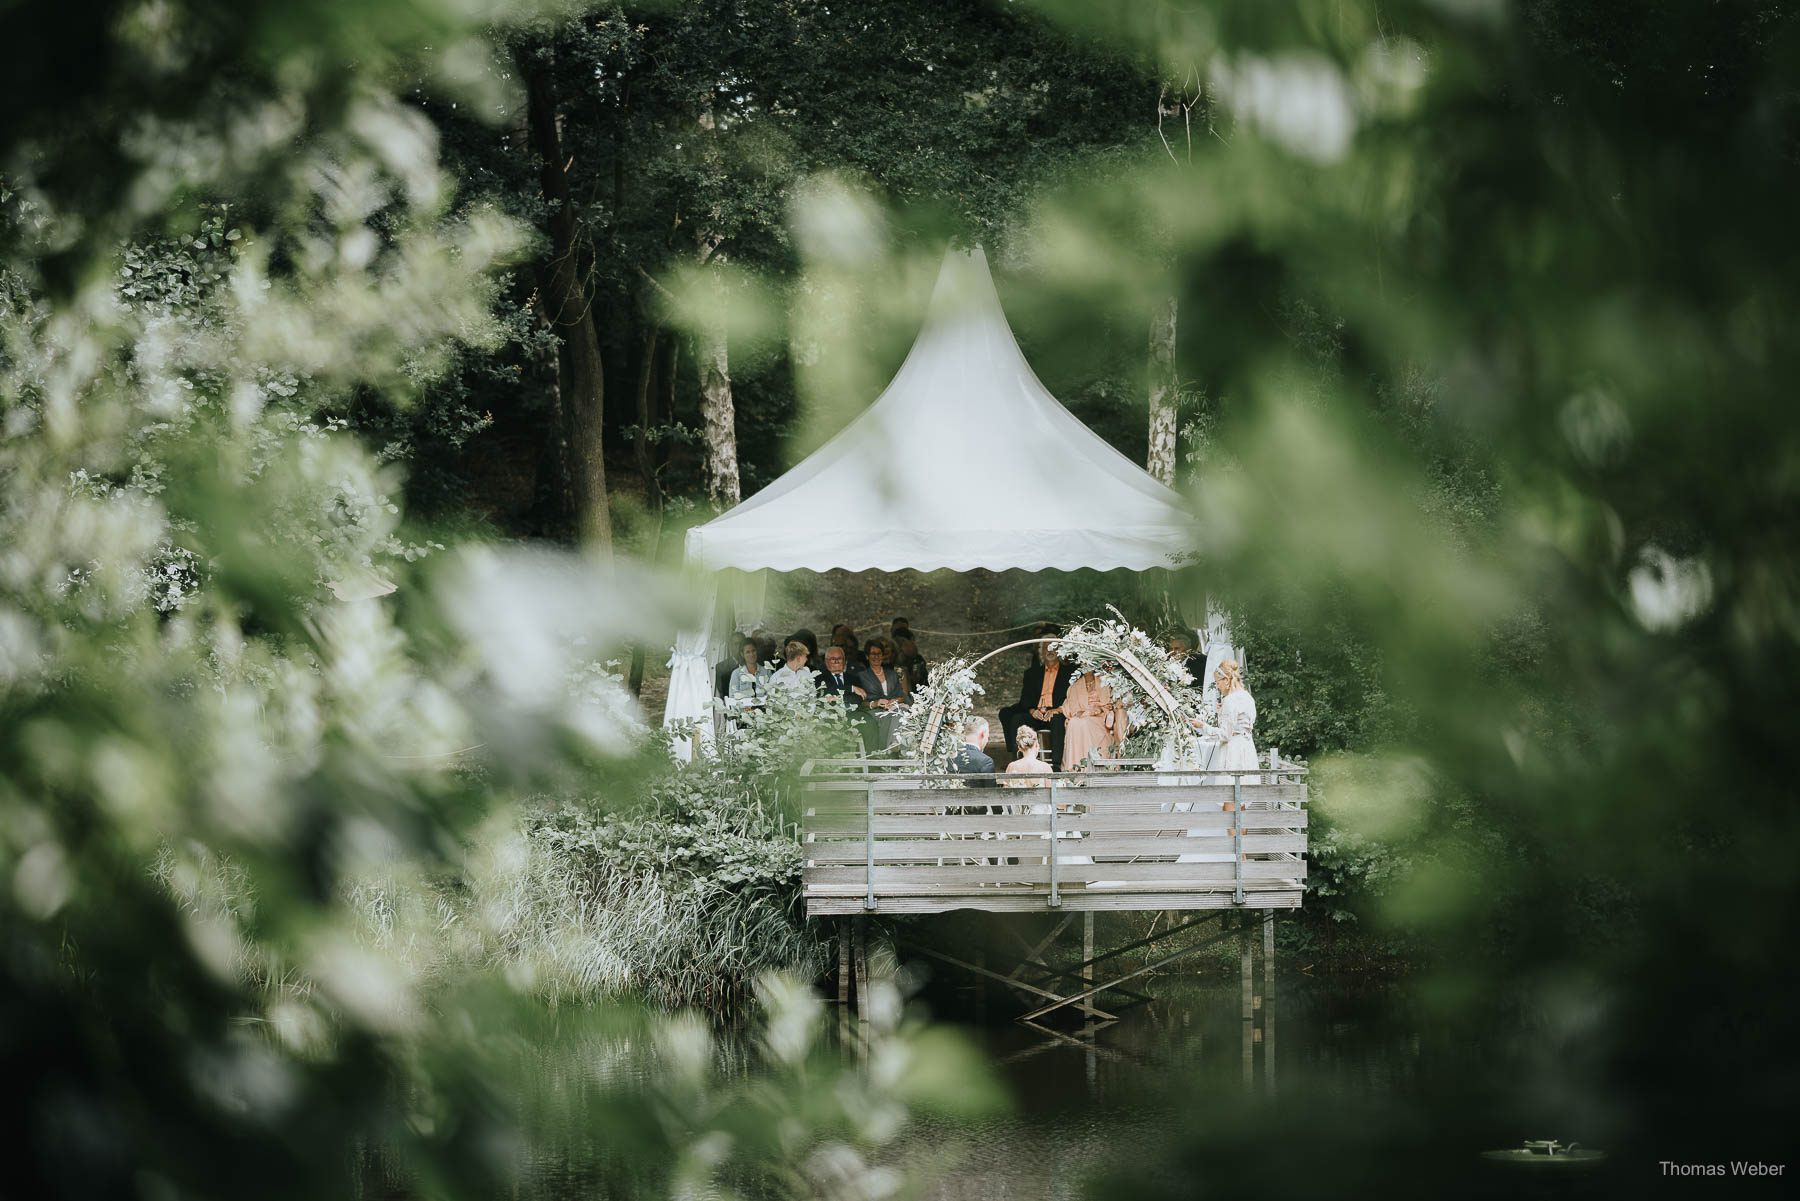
column 749, row 599
column 1009, row 480
column 691, row 678
column 1008, row 477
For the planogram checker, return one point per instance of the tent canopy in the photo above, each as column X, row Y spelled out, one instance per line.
column 1006, row 477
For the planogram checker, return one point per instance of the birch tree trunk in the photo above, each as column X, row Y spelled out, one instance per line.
column 711, row 346
column 712, row 351
column 568, row 309
column 1161, row 458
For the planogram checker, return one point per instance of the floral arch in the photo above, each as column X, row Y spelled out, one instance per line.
column 1154, row 688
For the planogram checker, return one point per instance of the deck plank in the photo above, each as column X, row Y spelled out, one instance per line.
column 999, row 901
column 925, row 878
column 850, row 825
column 929, row 850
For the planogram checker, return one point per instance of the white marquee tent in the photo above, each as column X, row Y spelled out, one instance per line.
column 1012, row 481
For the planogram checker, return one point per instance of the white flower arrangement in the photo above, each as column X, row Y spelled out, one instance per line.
column 931, row 729
column 1154, row 687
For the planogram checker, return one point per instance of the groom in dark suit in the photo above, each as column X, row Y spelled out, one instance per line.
column 970, row 757
column 1041, row 694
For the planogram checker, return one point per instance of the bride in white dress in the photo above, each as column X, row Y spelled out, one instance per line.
column 1231, row 749
column 1237, row 717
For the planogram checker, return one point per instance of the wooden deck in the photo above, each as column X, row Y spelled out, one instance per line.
column 880, row 838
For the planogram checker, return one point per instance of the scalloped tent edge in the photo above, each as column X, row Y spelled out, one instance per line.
column 1015, row 481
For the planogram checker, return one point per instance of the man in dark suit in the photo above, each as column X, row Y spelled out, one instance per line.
column 1181, row 647
column 1041, row 694
column 836, row 680
column 971, row 757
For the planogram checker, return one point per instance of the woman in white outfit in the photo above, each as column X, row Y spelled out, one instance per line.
column 750, row 680
column 1237, row 717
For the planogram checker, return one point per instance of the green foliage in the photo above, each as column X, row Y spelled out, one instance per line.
column 777, row 1111
column 244, row 803
column 760, row 765
column 587, row 906
column 681, row 889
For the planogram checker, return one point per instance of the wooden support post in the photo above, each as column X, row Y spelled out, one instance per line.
column 843, row 985
column 1091, row 1034
column 1087, row 959
column 843, row 979
column 1057, row 1001
column 860, row 954
column 1249, row 1011
column 1268, row 1007
column 1113, row 985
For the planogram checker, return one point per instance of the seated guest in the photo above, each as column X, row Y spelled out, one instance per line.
column 971, row 756
column 836, row 680
column 1181, row 649
column 1041, row 695
column 880, row 687
column 1097, row 723
column 845, row 637
column 765, row 647
column 1024, row 772
column 912, row 665
column 898, row 629
column 750, row 679
column 792, row 674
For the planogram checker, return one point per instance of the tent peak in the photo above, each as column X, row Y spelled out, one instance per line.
column 999, row 474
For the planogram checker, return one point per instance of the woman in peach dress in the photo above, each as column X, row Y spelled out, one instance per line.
column 1095, row 721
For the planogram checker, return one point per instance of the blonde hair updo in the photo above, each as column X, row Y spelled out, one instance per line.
column 1229, row 676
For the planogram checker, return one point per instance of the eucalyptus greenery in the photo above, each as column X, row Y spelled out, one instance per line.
column 939, row 708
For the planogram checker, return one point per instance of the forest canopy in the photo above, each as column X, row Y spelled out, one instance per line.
column 361, row 365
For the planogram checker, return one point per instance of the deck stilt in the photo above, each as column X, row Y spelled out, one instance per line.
column 981, row 990
column 860, row 954
column 1268, row 1005
column 1022, row 985
column 1245, row 946
column 1077, row 998
column 1087, row 962
column 843, row 969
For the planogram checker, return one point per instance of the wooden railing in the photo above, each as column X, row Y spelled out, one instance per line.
column 880, row 837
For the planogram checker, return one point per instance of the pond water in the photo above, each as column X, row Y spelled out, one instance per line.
column 1328, row 1087
column 1125, row 1097
column 1324, row 1086
column 1334, row 1087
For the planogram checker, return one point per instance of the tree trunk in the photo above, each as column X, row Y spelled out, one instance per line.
column 1161, row 457
column 554, row 484
column 711, row 350
column 720, row 416
column 646, row 421
column 567, row 307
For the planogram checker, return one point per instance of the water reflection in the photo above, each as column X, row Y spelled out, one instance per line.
column 1193, row 1094
column 1232, row 1083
